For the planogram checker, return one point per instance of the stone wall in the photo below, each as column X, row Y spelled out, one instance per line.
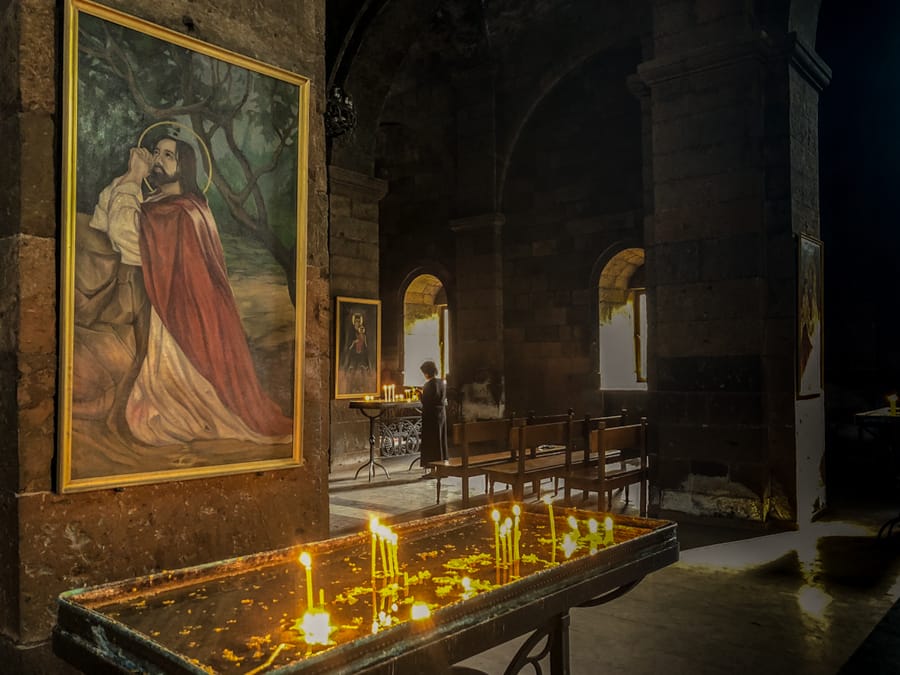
column 53, row 542
column 353, row 238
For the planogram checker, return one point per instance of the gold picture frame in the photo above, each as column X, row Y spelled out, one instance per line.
column 357, row 370
column 183, row 265
column 810, row 305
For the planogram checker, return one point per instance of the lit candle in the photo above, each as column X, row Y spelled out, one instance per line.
column 373, row 526
column 574, row 525
column 395, row 563
column 495, row 514
column 503, row 543
column 608, row 536
column 509, row 537
column 381, row 545
column 306, row 561
column 548, row 500
column 592, row 537
column 517, row 510
column 466, row 583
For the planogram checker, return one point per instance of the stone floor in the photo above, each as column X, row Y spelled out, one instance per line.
column 740, row 600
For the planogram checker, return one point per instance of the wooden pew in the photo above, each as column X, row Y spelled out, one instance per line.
column 539, row 450
column 625, row 446
column 481, row 444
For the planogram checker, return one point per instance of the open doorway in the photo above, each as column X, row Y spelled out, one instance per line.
column 426, row 328
column 622, row 299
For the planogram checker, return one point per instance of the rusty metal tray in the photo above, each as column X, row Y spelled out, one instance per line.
column 241, row 615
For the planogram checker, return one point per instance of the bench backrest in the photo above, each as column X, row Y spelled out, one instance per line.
column 630, row 440
column 485, row 436
column 525, row 441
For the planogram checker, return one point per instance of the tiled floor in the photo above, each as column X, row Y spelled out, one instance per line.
column 740, row 600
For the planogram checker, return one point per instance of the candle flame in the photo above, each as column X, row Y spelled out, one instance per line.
column 592, row 526
column 516, row 510
column 419, row 611
column 373, row 524
column 608, row 524
column 316, row 627
column 466, row 583
column 569, row 545
column 495, row 514
column 572, row 523
column 305, row 560
column 548, row 499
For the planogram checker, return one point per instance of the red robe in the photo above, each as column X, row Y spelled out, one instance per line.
column 187, row 283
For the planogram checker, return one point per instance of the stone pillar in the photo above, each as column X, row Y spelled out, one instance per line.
column 704, row 247
column 28, row 292
column 722, row 264
column 52, row 542
column 799, row 76
column 476, row 138
column 353, row 243
column 478, row 363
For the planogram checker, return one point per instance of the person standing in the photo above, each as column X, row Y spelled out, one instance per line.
column 433, row 447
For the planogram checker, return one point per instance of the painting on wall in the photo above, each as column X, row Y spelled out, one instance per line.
column 357, row 361
column 810, row 353
column 184, row 256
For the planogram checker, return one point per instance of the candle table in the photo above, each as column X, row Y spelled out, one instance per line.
column 246, row 615
column 374, row 410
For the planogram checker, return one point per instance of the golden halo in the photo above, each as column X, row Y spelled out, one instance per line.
column 199, row 140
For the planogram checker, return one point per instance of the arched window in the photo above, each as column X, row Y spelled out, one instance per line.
column 622, row 330
column 426, row 328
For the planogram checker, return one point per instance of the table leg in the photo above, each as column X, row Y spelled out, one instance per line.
column 552, row 640
column 373, row 462
column 559, row 645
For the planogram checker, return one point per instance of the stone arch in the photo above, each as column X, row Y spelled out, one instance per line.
column 629, row 19
column 614, row 277
column 424, row 288
column 371, row 55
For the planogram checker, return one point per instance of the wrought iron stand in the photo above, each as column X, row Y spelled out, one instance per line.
column 373, row 410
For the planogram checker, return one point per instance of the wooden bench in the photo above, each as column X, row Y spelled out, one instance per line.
column 626, row 446
column 539, row 451
column 481, row 444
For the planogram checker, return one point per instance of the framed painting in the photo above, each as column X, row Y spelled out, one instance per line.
column 184, row 257
column 810, row 352
column 357, row 349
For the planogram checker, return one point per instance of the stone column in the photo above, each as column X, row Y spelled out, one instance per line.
column 798, row 453
column 353, row 245
column 726, row 204
column 478, row 364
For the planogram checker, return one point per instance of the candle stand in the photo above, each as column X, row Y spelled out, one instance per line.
column 437, row 598
column 373, row 410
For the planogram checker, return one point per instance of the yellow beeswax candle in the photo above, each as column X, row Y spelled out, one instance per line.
column 495, row 514
column 306, row 561
column 373, row 527
column 517, row 510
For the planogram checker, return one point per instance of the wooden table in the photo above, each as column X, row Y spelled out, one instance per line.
column 373, row 410
column 242, row 615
